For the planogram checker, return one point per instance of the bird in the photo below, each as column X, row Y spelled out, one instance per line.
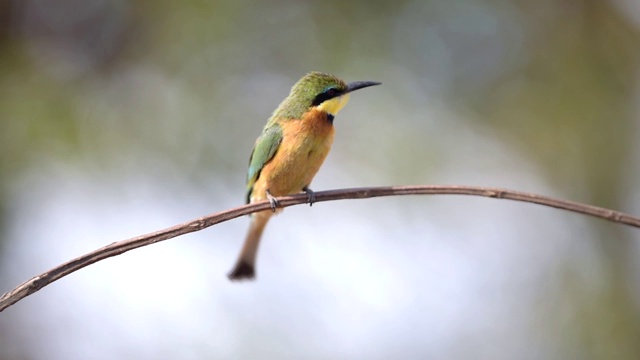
column 289, row 152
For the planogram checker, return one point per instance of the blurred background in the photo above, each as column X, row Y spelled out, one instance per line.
column 118, row 118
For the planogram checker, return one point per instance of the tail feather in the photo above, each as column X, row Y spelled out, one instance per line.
column 245, row 265
column 242, row 270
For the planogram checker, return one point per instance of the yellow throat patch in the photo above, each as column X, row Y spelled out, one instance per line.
column 332, row 106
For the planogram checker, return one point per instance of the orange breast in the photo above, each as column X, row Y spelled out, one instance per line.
column 304, row 147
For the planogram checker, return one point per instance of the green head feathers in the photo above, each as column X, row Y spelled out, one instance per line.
column 316, row 89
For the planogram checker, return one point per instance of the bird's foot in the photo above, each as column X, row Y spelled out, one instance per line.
column 272, row 201
column 310, row 194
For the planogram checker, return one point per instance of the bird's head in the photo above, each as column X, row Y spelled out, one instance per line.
column 320, row 91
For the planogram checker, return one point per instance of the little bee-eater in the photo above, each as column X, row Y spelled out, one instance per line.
column 290, row 150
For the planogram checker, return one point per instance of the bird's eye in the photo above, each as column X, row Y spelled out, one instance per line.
column 327, row 94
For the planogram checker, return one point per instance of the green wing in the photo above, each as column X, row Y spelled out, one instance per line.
column 266, row 146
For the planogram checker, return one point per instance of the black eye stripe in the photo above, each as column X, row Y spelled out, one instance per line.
column 324, row 96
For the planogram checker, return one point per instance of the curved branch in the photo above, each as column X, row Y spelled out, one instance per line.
column 38, row 282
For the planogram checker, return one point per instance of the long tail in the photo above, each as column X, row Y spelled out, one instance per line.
column 245, row 266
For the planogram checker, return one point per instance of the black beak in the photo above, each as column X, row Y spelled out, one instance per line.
column 359, row 85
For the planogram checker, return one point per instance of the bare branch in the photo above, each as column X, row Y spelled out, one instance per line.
column 38, row 282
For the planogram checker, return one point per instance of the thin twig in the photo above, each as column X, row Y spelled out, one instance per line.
column 38, row 282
